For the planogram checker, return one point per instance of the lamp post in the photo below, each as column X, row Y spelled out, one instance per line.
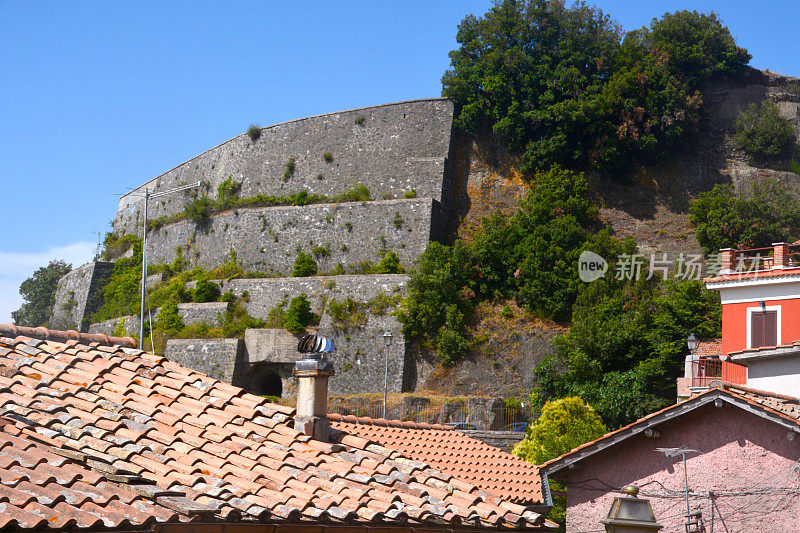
column 147, row 197
column 387, row 340
column 630, row 514
column 692, row 342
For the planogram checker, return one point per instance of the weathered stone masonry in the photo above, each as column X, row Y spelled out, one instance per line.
column 267, row 238
column 397, row 147
column 77, row 295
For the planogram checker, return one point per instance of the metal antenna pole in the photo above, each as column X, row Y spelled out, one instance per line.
column 147, row 197
column 673, row 452
column 385, row 380
column 144, row 268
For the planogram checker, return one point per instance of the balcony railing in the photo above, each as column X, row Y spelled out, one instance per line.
column 704, row 371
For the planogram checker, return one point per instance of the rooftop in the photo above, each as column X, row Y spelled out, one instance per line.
column 452, row 452
column 782, row 409
column 196, row 449
column 781, row 260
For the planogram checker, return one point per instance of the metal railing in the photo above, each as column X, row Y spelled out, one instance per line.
column 704, row 371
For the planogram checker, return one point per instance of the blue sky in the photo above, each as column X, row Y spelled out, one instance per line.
column 100, row 96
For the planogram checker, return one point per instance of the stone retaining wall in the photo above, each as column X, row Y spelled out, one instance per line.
column 267, row 239
column 391, row 148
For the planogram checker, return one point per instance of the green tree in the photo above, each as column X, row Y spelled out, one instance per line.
column 626, row 345
column 765, row 214
column 563, row 425
column 298, row 316
column 767, row 138
column 304, row 265
column 39, row 295
column 557, row 85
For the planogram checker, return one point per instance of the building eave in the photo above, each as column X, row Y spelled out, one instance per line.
column 572, row 458
column 765, row 354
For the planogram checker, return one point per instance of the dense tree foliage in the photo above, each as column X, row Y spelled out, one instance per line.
column 39, row 294
column 626, row 345
column 765, row 214
column 564, row 424
column 560, row 86
column 767, row 138
column 531, row 256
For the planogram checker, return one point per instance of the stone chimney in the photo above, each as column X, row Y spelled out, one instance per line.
column 312, row 372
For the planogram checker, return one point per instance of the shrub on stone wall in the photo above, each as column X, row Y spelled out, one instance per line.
column 304, row 265
column 254, row 131
column 298, row 316
column 206, row 291
column 767, row 138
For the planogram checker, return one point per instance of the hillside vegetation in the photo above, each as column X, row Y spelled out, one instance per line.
column 562, row 89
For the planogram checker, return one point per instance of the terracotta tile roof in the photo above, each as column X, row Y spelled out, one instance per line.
column 152, row 425
column 41, row 333
column 782, row 406
column 39, row 487
column 453, row 452
column 709, row 348
column 775, row 273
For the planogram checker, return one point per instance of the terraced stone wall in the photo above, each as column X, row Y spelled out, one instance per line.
column 267, row 239
column 391, row 148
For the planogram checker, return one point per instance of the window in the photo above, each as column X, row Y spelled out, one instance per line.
column 763, row 329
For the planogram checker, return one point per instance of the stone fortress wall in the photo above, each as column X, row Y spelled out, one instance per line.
column 390, row 148
column 267, row 239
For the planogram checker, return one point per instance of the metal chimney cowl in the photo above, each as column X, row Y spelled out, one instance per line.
column 312, row 372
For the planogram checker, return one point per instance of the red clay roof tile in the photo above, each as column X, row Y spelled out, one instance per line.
column 137, row 417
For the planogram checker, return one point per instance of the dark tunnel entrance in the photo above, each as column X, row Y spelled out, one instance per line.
column 271, row 385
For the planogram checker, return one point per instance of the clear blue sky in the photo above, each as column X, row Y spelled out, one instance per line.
column 100, row 96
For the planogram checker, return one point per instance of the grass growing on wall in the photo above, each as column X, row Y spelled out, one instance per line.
column 201, row 210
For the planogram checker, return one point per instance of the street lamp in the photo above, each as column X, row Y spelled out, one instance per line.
column 387, row 341
column 147, row 196
column 631, row 514
column 692, row 342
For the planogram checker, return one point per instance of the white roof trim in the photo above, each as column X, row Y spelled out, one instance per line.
column 677, row 410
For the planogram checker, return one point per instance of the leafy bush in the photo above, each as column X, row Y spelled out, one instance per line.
column 347, row 314
column 298, row 317
column 765, row 214
column 327, row 156
column 557, row 85
column 357, row 193
column 626, row 345
column 410, row 194
column 389, row 264
column 767, row 138
column 228, row 191
column 169, row 321
column 304, row 265
column 360, row 121
column 206, row 291
column 39, row 295
column 199, row 210
column 254, row 131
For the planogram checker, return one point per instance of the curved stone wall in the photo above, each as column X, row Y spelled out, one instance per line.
column 391, row 148
column 267, row 239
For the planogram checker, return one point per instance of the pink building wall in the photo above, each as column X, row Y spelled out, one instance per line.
column 740, row 452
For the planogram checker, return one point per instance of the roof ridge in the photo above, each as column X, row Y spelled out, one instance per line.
column 45, row 334
column 369, row 421
column 725, row 385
